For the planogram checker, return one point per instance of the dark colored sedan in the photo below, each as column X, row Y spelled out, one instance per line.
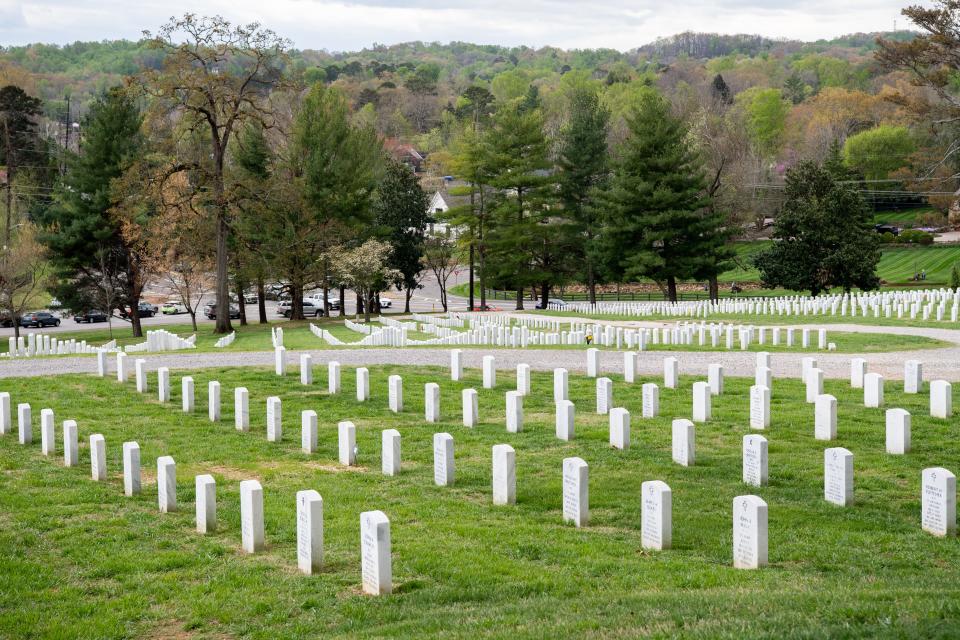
column 90, row 316
column 39, row 319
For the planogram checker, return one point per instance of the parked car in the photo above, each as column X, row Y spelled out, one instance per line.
column 39, row 319
column 146, row 310
column 311, row 309
column 211, row 311
column 283, row 307
column 385, row 303
column 91, row 315
column 172, row 308
column 333, row 302
column 250, row 297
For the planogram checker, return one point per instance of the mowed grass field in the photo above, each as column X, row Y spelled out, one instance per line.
column 80, row 560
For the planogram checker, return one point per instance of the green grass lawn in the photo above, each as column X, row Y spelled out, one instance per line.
column 906, row 219
column 80, row 560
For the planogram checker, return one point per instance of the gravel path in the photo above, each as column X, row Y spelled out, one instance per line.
column 937, row 363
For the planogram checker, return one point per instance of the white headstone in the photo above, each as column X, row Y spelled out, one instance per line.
column 166, row 484
column 858, row 369
column 309, row 531
column 504, row 474
column 431, row 392
column 814, row 384
column 456, row 365
column 755, row 460
column 206, row 503
column 715, row 379
column 280, row 360
column 186, row 390
column 274, row 420
column 390, row 452
column 122, row 371
column 619, row 428
column 650, row 398
column 629, row 366
column 48, row 438
column 251, row 515
column 873, row 390
column 560, row 377
column 5, row 424
column 825, row 417
column 71, row 448
column 604, row 395
column 470, row 408
column 24, row 424
column 759, row 407
column 838, row 476
column 363, row 384
column 163, row 384
column 806, row 364
column 514, row 412
column 443, row 463
column 489, row 372
column 763, row 377
column 684, row 442
column 306, row 369
column 576, row 491
column 102, row 364
column 395, row 393
column 213, row 400
column 308, row 431
column 98, row 458
column 593, row 362
column 941, row 399
column 912, row 376
column 347, row 443
column 898, row 431
column 241, row 409
column 670, row 373
column 565, row 413
column 763, row 359
column 141, row 374
column 523, row 379
column 656, row 515
column 333, row 377
column 701, row 401
column 749, row 532
column 938, row 497
column 375, row 560
column 131, row 468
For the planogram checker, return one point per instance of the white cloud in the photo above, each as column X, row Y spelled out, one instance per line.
column 352, row 24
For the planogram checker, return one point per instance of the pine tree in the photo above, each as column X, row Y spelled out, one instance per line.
column 583, row 167
column 516, row 149
column 823, row 236
column 87, row 247
column 658, row 221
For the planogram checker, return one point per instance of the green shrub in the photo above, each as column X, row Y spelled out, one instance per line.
column 886, row 237
column 955, row 276
column 914, row 236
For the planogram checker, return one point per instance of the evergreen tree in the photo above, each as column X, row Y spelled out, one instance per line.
column 401, row 219
column 516, row 149
column 658, row 222
column 87, row 248
column 583, row 167
column 20, row 144
column 823, row 236
column 720, row 91
column 254, row 161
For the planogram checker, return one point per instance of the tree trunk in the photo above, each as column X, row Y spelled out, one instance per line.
column 714, row 288
column 672, row 288
column 443, row 296
column 406, row 303
column 366, row 307
column 16, row 327
column 483, row 283
column 326, row 297
column 472, row 301
column 591, row 284
column 223, row 276
column 544, row 294
column 262, row 301
column 296, row 302
column 240, row 285
column 135, row 320
column 193, row 318
column 343, row 301
column 520, row 299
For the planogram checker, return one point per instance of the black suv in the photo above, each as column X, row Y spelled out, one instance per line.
column 39, row 319
column 90, row 316
column 146, row 310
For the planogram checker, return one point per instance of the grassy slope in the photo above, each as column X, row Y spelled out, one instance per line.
column 79, row 560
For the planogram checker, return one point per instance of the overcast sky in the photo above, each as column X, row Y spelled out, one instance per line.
column 344, row 26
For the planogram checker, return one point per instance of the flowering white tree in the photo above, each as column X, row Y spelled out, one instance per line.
column 365, row 269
